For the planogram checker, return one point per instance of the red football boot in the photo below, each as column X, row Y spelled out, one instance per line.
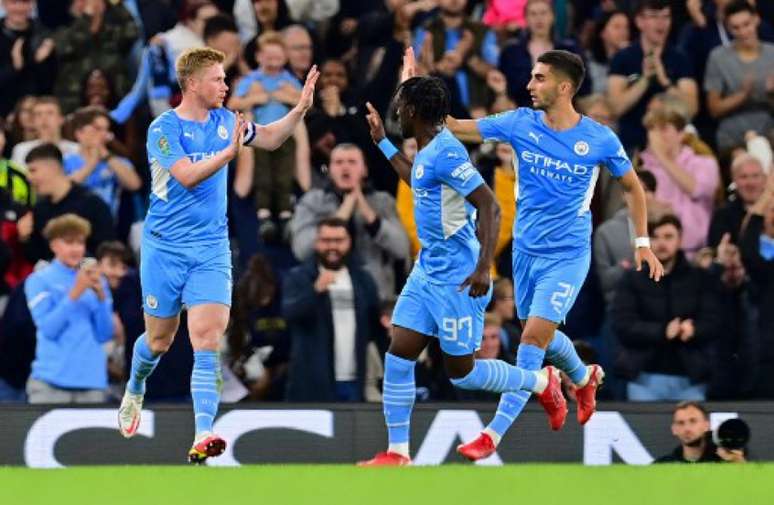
column 481, row 447
column 553, row 400
column 587, row 395
column 386, row 458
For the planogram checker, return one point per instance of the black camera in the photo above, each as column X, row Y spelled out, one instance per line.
column 732, row 434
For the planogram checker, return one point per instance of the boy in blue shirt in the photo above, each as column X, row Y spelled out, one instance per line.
column 72, row 308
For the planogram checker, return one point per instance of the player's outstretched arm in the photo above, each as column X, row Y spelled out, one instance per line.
column 488, row 210
column 273, row 135
column 189, row 174
column 398, row 160
column 464, row 129
column 639, row 212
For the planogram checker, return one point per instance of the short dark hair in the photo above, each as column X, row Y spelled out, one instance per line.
column 114, row 249
column 47, row 151
column 428, row 96
column 648, row 180
column 86, row 115
column 738, row 6
column 690, row 403
column 665, row 220
column 218, row 24
column 332, row 222
column 654, row 5
column 566, row 63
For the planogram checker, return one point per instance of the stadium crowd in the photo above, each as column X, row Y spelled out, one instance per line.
column 323, row 233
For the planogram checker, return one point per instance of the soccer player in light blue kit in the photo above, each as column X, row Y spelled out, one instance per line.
column 449, row 288
column 559, row 154
column 185, row 256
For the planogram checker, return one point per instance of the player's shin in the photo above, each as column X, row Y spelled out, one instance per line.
column 398, row 401
column 143, row 364
column 499, row 377
column 561, row 353
column 206, row 381
column 529, row 357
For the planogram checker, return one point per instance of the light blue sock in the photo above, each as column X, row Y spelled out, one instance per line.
column 143, row 364
column 205, row 389
column 496, row 376
column 561, row 353
column 529, row 357
column 398, row 397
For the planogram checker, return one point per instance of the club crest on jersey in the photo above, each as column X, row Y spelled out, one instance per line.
column 419, row 172
column 151, row 302
column 581, row 148
column 222, row 132
column 163, row 144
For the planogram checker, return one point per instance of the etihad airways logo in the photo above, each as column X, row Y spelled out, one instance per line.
column 543, row 161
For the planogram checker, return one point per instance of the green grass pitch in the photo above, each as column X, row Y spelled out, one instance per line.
column 751, row 484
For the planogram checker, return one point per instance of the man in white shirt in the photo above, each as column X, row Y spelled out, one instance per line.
column 47, row 119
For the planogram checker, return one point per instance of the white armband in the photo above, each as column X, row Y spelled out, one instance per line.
column 250, row 132
column 642, row 242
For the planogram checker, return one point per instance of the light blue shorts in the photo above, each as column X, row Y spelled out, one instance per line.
column 547, row 288
column 440, row 310
column 190, row 275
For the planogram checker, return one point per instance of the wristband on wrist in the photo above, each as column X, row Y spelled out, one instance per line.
column 642, row 242
column 387, row 148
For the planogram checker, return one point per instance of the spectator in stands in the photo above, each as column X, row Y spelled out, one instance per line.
column 300, row 50
column 686, row 180
column 101, row 36
column 72, row 308
column 20, row 123
column 188, row 33
column 255, row 17
column 331, row 305
column 14, row 266
column 611, row 34
column 613, row 252
column 379, row 238
column 95, row 166
column 268, row 93
column 220, row 32
column 13, row 178
column 459, row 49
column 739, row 81
column 666, row 329
column 647, row 67
column 47, row 120
column 757, row 247
column 258, row 340
column 26, row 59
column 691, row 426
column 58, row 195
column 504, row 307
column 517, row 58
column 749, row 180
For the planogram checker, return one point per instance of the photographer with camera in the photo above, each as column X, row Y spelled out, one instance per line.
column 698, row 444
column 72, row 309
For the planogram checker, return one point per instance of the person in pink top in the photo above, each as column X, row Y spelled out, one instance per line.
column 686, row 180
column 508, row 14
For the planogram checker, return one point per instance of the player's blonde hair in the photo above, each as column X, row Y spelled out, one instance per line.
column 194, row 60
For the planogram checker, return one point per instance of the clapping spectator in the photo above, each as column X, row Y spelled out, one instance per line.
column 740, row 80
column 101, row 36
column 647, row 67
column 378, row 237
column 611, row 34
column 72, row 308
column 331, row 305
column 58, row 195
column 96, row 166
column 686, row 180
column 666, row 330
column 47, row 120
column 26, row 54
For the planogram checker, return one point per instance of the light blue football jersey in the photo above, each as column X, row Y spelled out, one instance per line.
column 441, row 177
column 188, row 216
column 556, row 175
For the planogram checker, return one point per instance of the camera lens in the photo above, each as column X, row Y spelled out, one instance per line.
column 732, row 434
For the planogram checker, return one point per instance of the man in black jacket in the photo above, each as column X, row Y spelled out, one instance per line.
column 666, row 330
column 58, row 195
column 331, row 306
column 691, row 426
column 749, row 178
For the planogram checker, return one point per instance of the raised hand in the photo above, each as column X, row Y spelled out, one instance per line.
column 237, row 136
column 307, row 94
column 409, row 65
column 375, row 123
